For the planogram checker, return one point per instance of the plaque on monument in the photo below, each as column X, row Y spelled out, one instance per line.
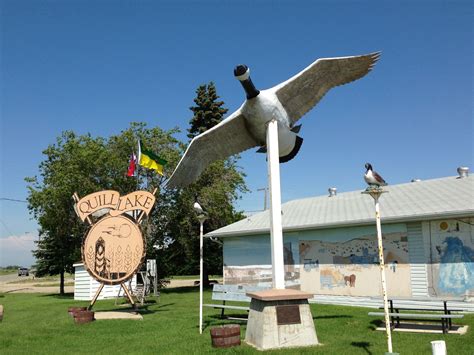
column 288, row 314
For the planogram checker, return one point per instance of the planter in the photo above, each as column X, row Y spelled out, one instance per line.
column 225, row 336
column 72, row 310
column 82, row 317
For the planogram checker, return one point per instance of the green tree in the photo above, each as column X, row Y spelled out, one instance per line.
column 84, row 164
column 208, row 111
column 67, row 165
column 218, row 188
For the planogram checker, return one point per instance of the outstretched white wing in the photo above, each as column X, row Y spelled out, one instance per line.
column 221, row 141
column 303, row 91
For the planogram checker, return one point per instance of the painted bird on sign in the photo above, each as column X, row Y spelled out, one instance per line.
column 372, row 178
column 286, row 102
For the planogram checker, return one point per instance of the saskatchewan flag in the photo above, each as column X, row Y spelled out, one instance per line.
column 150, row 160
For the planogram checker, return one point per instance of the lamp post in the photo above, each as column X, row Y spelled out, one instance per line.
column 375, row 193
column 201, row 219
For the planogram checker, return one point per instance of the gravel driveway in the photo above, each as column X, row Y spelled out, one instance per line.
column 28, row 287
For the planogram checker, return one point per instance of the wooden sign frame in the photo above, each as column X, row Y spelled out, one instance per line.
column 113, row 248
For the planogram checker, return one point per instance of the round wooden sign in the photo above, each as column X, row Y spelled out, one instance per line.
column 113, row 249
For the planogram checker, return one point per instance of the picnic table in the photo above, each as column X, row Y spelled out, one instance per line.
column 445, row 317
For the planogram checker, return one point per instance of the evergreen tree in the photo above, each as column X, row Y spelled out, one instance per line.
column 208, row 111
column 218, row 187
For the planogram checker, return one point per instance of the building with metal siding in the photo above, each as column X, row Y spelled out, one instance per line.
column 85, row 286
column 330, row 243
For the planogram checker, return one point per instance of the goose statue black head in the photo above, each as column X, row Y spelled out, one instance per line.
column 242, row 73
column 286, row 102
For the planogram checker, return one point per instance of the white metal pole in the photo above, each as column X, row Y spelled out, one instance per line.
column 382, row 272
column 276, row 233
column 201, row 232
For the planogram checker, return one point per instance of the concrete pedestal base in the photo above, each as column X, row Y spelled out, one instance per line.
column 280, row 319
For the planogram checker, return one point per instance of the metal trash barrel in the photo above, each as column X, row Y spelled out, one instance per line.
column 225, row 336
column 438, row 347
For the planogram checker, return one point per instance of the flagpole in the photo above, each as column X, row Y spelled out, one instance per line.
column 138, row 175
column 138, row 169
column 138, row 164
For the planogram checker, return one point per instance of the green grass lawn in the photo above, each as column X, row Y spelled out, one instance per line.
column 39, row 323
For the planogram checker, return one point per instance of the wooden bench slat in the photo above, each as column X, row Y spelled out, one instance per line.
column 425, row 309
column 237, row 288
column 238, row 318
column 227, row 306
column 419, row 315
column 230, row 297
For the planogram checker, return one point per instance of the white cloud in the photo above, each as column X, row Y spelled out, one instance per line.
column 16, row 249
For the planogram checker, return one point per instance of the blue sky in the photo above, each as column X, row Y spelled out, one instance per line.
column 95, row 66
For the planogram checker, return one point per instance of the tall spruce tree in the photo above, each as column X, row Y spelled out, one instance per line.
column 218, row 187
column 208, row 111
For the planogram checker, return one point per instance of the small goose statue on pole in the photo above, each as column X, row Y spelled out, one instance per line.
column 375, row 182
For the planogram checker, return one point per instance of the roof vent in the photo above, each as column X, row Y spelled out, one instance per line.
column 332, row 191
column 463, row 172
column 415, row 180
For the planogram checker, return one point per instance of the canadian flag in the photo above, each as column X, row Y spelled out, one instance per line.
column 132, row 165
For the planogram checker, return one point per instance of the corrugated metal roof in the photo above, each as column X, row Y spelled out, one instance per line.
column 444, row 197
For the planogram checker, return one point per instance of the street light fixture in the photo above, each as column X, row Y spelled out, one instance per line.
column 202, row 216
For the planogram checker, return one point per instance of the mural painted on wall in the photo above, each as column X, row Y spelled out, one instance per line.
column 456, row 273
column 261, row 275
column 351, row 267
column 453, row 258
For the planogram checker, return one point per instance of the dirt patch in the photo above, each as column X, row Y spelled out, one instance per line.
column 31, row 286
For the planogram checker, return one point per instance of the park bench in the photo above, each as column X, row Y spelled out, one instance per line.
column 232, row 293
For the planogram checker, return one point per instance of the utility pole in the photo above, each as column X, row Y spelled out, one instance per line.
column 265, row 191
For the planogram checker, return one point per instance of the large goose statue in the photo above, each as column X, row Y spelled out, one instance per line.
column 286, row 102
